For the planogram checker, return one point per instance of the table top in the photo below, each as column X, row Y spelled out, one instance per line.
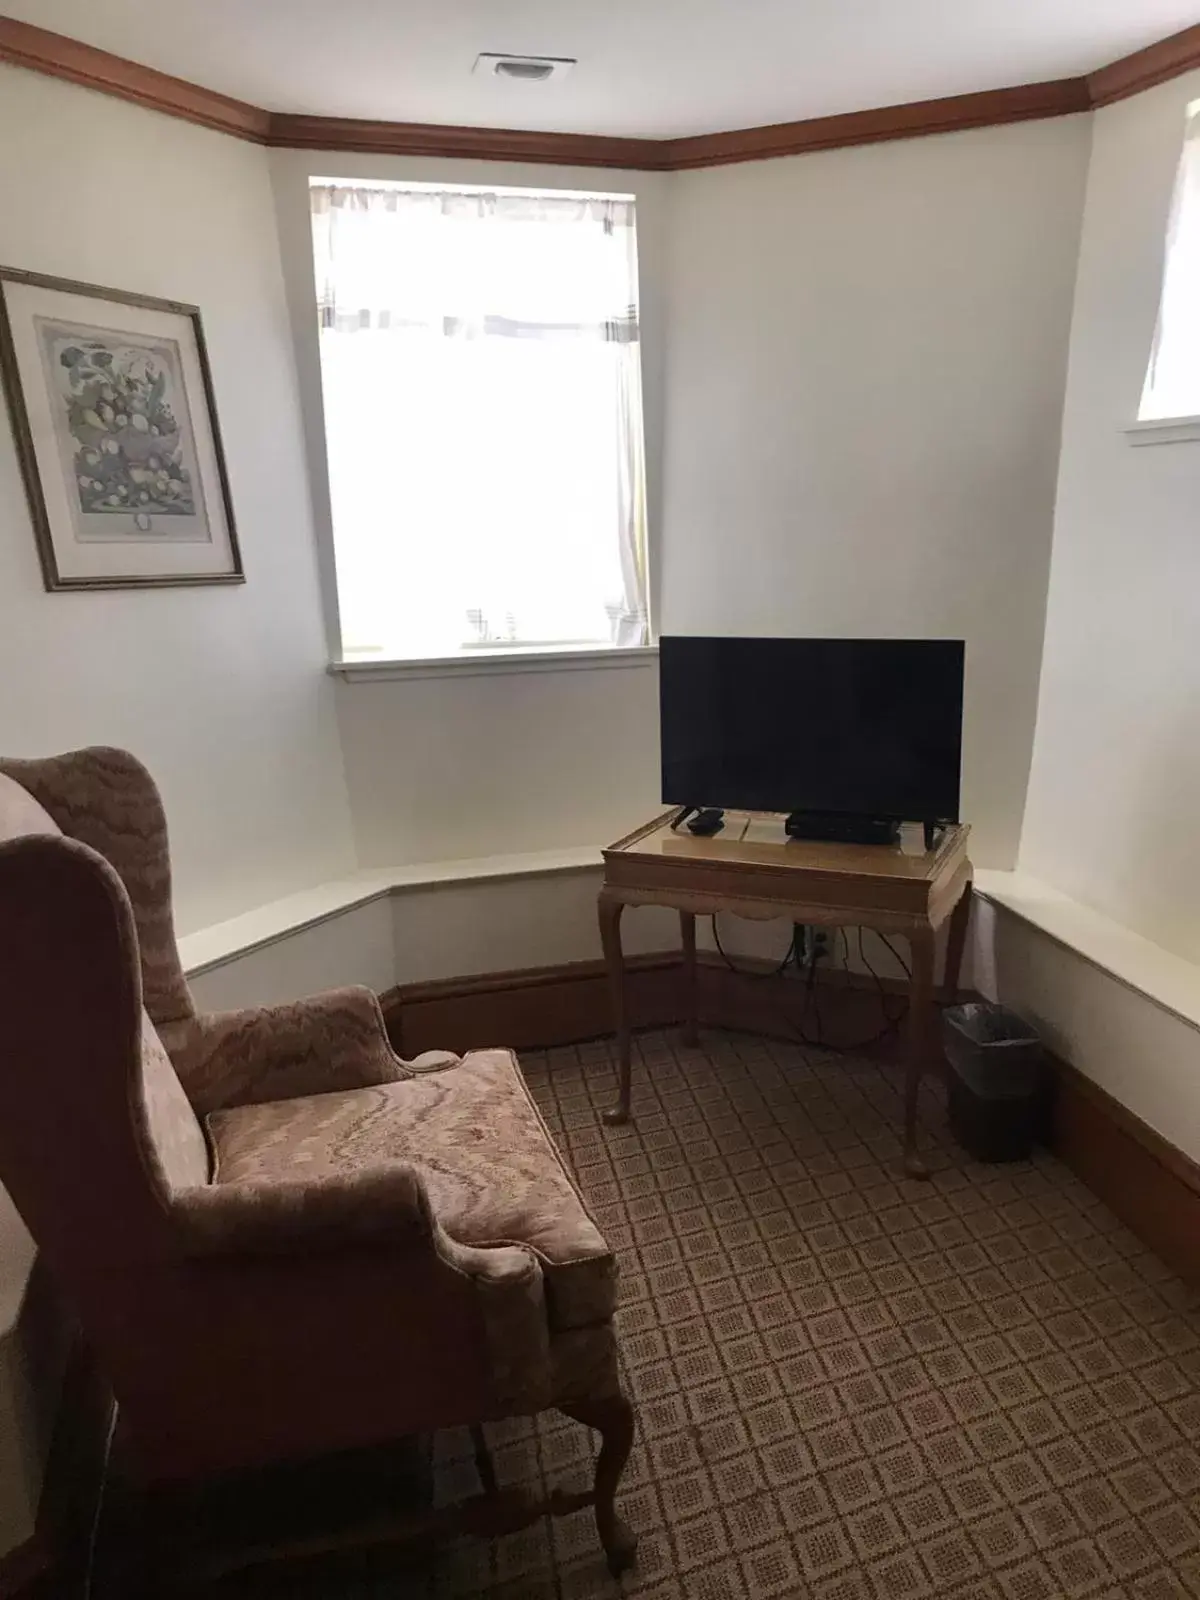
column 757, row 840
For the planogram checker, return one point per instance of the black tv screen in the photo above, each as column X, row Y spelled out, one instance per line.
column 858, row 727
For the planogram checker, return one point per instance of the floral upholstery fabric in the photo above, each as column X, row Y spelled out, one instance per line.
column 332, row 1041
column 488, row 1165
column 387, row 1206
column 106, row 799
column 172, row 1126
column 583, row 1365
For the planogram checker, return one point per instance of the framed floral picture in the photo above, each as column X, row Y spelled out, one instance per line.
column 111, row 403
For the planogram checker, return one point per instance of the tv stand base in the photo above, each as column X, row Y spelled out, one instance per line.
column 837, row 827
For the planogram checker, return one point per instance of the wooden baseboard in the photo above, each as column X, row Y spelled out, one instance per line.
column 529, row 1010
column 1150, row 1184
column 844, row 1010
column 545, row 1006
column 564, row 1005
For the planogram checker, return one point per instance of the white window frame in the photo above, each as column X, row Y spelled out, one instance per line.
column 494, row 658
column 1180, row 428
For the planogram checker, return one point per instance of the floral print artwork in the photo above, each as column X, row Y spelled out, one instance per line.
column 121, row 415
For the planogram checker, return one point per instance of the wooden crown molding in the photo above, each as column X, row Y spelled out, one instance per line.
column 952, row 114
column 480, row 144
column 24, row 45
column 1158, row 63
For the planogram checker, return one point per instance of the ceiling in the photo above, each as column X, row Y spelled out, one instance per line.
column 647, row 68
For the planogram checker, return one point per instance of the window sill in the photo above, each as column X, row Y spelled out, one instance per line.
column 495, row 663
column 1164, row 430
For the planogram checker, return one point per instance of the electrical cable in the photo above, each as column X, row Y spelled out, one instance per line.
column 896, row 956
column 812, row 1002
column 811, row 1005
column 750, row 972
column 865, row 959
column 890, row 1022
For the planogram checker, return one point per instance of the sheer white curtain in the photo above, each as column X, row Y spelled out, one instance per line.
column 1173, row 381
column 482, row 386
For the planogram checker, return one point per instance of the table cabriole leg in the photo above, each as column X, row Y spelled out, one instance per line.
column 691, row 1018
column 920, row 1032
column 610, row 909
column 960, row 920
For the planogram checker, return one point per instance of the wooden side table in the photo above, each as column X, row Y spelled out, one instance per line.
column 752, row 869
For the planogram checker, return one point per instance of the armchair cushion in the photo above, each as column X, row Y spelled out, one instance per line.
column 489, row 1167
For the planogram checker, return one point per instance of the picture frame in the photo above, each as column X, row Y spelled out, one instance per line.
column 111, row 403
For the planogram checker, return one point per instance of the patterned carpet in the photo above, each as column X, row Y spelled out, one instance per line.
column 852, row 1386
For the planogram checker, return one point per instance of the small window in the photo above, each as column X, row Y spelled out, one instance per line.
column 1173, row 381
column 480, row 366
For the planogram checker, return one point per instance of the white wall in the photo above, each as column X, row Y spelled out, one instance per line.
column 454, row 766
column 220, row 690
column 866, row 355
column 1115, row 785
column 430, row 930
column 855, row 365
column 1144, row 1054
column 513, row 923
column 350, row 947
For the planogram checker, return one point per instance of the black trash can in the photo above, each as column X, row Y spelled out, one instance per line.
column 998, row 1084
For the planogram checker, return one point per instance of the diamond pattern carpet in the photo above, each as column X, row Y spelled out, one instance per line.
column 851, row 1386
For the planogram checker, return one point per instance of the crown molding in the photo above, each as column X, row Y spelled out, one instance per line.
column 480, row 144
column 24, row 45
column 39, row 50
column 1158, row 63
column 990, row 108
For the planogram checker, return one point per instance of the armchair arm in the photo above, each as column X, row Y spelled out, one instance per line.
column 384, row 1209
column 376, row 1205
column 332, row 1041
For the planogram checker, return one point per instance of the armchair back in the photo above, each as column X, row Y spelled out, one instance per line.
column 95, row 1127
column 105, row 798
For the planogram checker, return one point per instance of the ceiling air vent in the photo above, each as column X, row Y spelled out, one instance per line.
column 525, row 69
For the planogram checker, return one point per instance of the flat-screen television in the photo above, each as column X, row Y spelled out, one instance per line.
column 856, row 727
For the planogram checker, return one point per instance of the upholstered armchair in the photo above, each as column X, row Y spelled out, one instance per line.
column 280, row 1239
